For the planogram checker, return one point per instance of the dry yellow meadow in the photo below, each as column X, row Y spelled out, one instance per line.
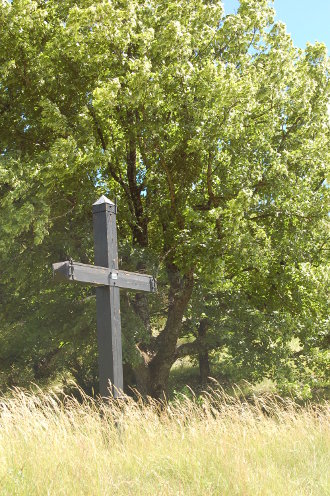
column 218, row 445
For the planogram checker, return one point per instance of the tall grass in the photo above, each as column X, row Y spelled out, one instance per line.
column 219, row 445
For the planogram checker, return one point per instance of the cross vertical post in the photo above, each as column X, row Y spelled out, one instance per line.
column 107, row 299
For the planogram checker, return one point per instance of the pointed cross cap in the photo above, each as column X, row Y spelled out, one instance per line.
column 104, row 204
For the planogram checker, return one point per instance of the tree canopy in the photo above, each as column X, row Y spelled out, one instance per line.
column 212, row 131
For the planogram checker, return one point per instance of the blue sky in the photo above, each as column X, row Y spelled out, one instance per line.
column 306, row 20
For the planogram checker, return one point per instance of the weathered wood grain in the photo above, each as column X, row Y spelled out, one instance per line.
column 103, row 276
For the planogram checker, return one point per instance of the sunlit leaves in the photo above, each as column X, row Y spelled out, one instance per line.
column 229, row 128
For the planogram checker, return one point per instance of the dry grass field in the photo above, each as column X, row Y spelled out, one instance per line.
column 219, row 445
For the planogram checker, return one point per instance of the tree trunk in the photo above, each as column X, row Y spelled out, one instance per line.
column 157, row 357
column 160, row 365
column 203, row 355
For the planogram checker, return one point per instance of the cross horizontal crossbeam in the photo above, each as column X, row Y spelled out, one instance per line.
column 103, row 276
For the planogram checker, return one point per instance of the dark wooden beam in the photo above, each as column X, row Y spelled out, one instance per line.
column 61, row 271
column 108, row 300
column 103, row 276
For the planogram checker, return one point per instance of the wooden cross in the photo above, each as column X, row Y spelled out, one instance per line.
column 108, row 279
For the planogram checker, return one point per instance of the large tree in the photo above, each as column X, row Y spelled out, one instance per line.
column 213, row 133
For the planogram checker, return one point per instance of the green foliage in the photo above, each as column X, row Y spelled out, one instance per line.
column 213, row 133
